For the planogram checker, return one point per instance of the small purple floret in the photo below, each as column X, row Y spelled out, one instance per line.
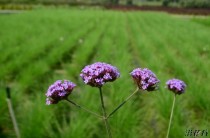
column 145, row 79
column 59, row 91
column 175, row 85
column 97, row 74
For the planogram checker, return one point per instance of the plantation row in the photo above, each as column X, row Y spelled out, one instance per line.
column 41, row 46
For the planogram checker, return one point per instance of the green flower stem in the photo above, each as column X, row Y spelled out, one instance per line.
column 104, row 115
column 172, row 111
column 85, row 109
column 119, row 106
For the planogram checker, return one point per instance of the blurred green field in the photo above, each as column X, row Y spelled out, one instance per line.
column 40, row 46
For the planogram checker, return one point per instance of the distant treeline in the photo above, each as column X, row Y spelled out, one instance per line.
column 181, row 3
column 195, row 3
column 188, row 3
column 113, row 2
column 58, row 1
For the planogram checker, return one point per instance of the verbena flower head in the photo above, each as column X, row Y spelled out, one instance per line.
column 99, row 73
column 58, row 91
column 145, row 79
column 175, row 85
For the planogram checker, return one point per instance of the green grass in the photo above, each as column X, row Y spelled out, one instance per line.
column 203, row 20
column 43, row 45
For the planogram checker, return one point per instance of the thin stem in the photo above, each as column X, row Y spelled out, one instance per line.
column 11, row 111
column 85, row 109
column 104, row 115
column 119, row 106
column 172, row 111
column 13, row 118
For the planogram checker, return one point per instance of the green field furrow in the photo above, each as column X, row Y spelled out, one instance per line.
column 27, row 26
column 52, row 60
column 88, row 49
column 123, row 87
column 14, row 67
column 201, row 20
column 117, row 54
column 157, row 40
column 37, row 51
column 185, row 64
column 86, row 91
column 147, row 47
column 14, row 47
column 156, row 44
column 141, row 50
column 91, row 41
column 43, row 45
column 185, row 49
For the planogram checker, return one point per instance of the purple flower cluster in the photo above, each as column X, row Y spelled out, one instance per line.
column 59, row 91
column 99, row 73
column 175, row 85
column 145, row 79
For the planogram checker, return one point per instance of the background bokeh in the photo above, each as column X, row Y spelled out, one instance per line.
column 42, row 44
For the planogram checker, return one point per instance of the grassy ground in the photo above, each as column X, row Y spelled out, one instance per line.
column 40, row 46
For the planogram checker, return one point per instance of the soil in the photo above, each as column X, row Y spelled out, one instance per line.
column 173, row 10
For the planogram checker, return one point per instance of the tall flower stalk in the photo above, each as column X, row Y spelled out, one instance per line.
column 105, row 118
column 171, row 116
column 177, row 87
column 96, row 75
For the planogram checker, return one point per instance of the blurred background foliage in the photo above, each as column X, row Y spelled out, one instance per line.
column 55, row 39
column 176, row 3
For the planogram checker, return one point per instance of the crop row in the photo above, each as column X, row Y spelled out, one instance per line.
column 160, row 42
